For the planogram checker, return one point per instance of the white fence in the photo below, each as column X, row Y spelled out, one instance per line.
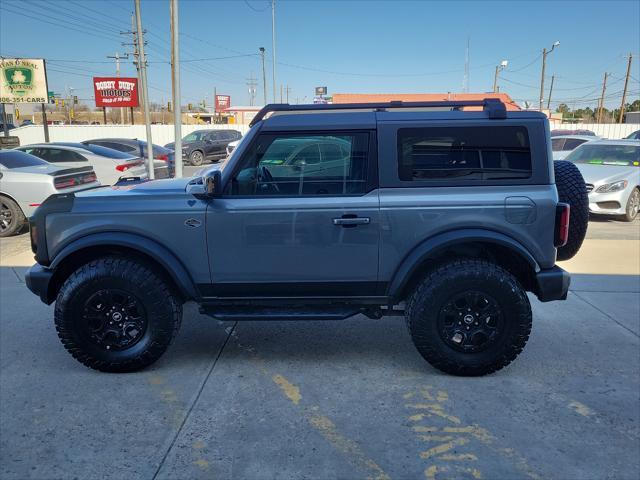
column 160, row 134
column 606, row 130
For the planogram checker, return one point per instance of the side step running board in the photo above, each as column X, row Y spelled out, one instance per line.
column 281, row 313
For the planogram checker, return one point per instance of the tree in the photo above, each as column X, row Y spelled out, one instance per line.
column 563, row 108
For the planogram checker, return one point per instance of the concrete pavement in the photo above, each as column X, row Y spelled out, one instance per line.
column 350, row 399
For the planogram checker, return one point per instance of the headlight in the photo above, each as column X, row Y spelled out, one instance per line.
column 612, row 187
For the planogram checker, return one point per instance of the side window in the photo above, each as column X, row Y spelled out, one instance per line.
column 214, row 136
column 572, row 143
column 464, row 153
column 557, row 144
column 56, row 155
column 297, row 165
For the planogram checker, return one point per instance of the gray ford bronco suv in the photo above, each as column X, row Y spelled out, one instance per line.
column 432, row 210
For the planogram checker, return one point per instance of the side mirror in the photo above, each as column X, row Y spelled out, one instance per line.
column 213, row 183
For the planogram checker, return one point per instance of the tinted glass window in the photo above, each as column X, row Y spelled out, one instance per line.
column 106, row 152
column 58, row 155
column 294, row 165
column 466, row 153
column 571, row 143
column 557, row 144
column 18, row 159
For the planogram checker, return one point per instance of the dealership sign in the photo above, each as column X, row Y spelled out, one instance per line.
column 222, row 102
column 23, row 80
column 115, row 91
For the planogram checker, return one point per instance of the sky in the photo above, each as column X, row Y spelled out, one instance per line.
column 348, row 46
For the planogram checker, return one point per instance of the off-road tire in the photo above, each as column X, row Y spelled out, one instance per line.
column 631, row 209
column 455, row 277
column 162, row 306
column 572, row 190
column 196, row 158
column 11, row 217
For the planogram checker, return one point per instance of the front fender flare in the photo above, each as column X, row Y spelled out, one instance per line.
column 443, row 240
column 159, row 253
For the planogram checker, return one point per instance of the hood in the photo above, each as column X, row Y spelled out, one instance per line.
column 599, row 174
column 154, row 187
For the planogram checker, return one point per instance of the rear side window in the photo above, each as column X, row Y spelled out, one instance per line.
column 465, row 153
column 572, row 143
column 557, row 144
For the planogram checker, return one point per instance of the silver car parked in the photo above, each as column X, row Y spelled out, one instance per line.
column 611, row 170
column 26, row 181
column 110, row 165
column 563, row 145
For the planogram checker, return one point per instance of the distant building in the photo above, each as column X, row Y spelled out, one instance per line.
column 632, row 117
column 241, row 115
column 422, row 97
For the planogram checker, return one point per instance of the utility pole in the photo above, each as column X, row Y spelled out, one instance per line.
column 502, row 66
column 286, row 91
column 280, row 93
column 252, row 83
column 273, row 47
column 624, row 92
column 175, row 88
column 142, row 63
column 601, row 102
column 544, row 64
column 264, row 76
column 553, row 77
column 134, row 44
column 117, row 58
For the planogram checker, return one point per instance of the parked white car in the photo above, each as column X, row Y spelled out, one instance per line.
column 232, row 146
column 611, row 170
column 110, row 165
column 563, row 145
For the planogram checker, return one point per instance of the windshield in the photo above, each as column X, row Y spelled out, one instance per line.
column 620, row 155
column 194, row 136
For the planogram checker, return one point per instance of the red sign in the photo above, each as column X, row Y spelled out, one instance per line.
column 222, row 102
column 115, row 91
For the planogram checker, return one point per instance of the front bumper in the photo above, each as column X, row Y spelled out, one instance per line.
column 614, row 203
column 552, row 284
column 38, row 279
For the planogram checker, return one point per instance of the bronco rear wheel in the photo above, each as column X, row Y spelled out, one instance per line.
column 469, row 317
column 117, row 314
column 572, row 190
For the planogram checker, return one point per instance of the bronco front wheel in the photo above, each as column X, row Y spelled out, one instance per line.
column 469, row 317
column 117, row 314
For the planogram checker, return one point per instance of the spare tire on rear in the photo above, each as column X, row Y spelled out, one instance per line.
column 572, row 190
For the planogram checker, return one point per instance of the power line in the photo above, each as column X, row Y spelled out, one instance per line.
column 256, row 9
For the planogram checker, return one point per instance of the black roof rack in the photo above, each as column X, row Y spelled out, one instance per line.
column 493, row 106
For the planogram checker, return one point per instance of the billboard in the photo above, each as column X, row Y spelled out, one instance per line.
column 115, row 91
column 222, row 102
column 23, row 80
column 321, row 91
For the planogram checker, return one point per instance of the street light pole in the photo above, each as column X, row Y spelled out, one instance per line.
column 264, row 76
column 502, row 66
column 544, row 64
column 175, row 89
column 142, row 61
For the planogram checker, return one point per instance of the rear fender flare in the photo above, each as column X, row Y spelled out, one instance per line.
column 424, row 250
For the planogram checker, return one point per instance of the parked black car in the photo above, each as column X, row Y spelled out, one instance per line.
column 204, row 145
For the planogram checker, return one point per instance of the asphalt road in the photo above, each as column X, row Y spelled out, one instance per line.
column 349, row 399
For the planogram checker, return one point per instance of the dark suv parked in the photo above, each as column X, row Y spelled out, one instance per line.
column 204, row 145
column 446, row 216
